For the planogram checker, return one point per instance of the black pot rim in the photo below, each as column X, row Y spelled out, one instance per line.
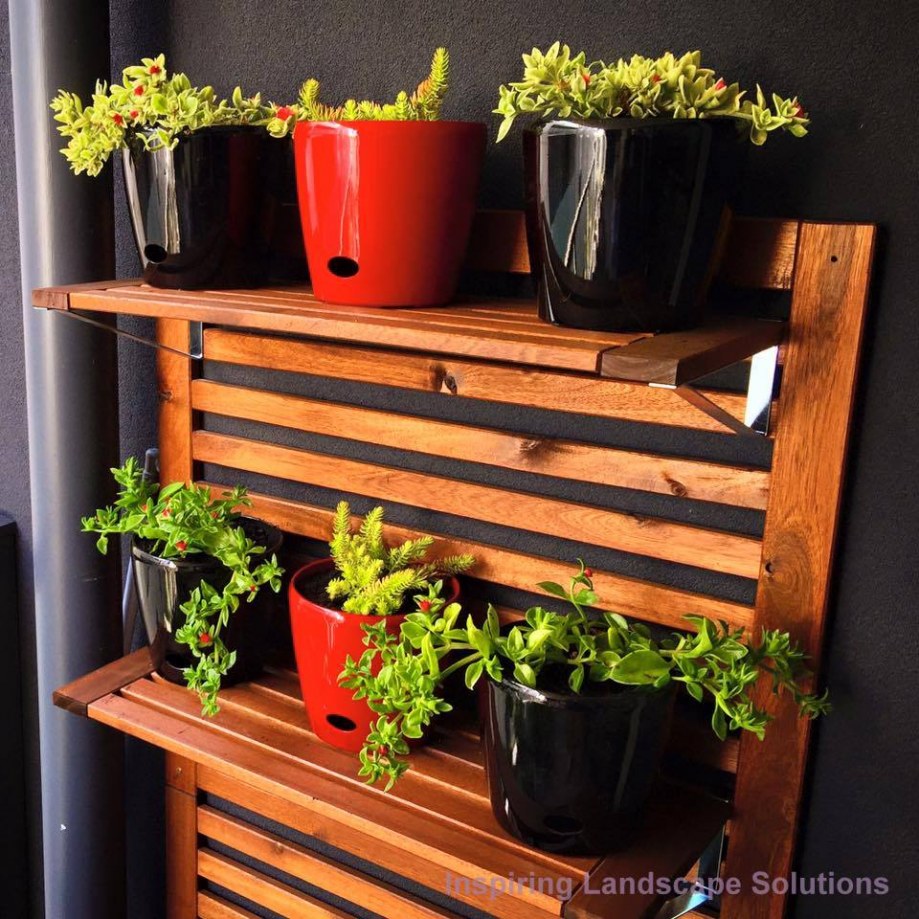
column 561, row 699
column 623, row 122
column 200, row 560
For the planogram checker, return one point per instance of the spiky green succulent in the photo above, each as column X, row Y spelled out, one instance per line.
column 558, row 84
column 422, row 105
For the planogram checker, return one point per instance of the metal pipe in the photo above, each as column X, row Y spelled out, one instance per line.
column 66, row 235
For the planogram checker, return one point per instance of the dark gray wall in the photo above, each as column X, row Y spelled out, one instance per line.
column 852, row 65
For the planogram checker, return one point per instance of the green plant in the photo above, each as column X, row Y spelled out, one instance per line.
column 555, row 83
column 716, row 661
column 149, row 105
column 180, row 520
column 373, row 578
column 422, row 105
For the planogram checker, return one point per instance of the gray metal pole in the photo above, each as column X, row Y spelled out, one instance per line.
column 66, row 235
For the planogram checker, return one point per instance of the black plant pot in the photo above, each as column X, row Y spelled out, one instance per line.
column 623, row 218
column 205, row 213
column 163, row 585
column 571, row 772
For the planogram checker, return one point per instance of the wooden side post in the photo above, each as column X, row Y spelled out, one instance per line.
column 174, row 376
column 181, row 838
column 829, row 300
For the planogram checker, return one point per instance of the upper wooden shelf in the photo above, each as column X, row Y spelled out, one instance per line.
column 435, row 825
column 498, row 330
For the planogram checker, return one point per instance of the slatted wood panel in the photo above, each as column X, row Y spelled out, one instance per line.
column 497, row 351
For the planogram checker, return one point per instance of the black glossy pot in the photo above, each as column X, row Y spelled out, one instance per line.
column 205, row 213
column 163, row 585
column 571, row 773
column 623, row 218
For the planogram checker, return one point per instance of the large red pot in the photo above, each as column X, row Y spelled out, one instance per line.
column 387, row 207
column 323, row 638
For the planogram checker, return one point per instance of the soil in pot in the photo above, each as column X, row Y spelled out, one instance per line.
column 204, row 212
column 623, row 218
column 324, row 637
column 163, row 585
column 571, row 772
column 387, row 207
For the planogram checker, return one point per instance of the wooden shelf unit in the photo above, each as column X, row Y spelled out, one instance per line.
column 259, row 752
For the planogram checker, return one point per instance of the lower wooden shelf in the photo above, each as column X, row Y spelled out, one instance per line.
column 435, row 828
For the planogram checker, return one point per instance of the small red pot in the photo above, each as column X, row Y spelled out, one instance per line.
column 387, row 207
column 323, row 639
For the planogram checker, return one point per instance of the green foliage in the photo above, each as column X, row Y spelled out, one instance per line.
column 422, row 105
column 716, row 662
column 148, row 105
column 557, row 84
column 178, row 521
column 374, row 579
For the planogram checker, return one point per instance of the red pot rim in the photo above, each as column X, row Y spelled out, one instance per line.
column 320, row 565
column 421, row 126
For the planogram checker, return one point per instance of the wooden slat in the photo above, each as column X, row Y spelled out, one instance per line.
column 377, row 849
column 181, row 845
column 678, row 358
column 235, row 308
column 685, row 478
column 580, row 394
column 652, row 537
column 174, row 375
column 668, row 857
column 630, row 596
column 498, row 243
column 58, row 298
column 76, row 696
column 315, row 869
column 761, row 253
column 213, row 907
column 827, row 320
column 263, row 890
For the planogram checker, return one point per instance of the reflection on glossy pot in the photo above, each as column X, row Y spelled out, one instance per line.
column 571, row 773
column 623, row 218
column 204, row 212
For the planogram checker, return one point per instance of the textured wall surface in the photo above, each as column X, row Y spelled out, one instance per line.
column 850, row 63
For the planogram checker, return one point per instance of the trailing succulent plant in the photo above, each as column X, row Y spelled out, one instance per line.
column 179, row 521
column 558, row 84
column 422, row 105
column 375, row 579
column 716, row 662
column 150, row 105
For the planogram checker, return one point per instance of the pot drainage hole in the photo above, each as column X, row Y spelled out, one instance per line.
column 341, row 722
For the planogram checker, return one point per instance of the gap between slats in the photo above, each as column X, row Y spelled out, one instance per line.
column 653, row 537
column 686, row 478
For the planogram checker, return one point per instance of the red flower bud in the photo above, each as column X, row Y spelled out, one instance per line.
column 134, row 113
column 284, row 112
column 252, row 588
column 586, row 77
column 588, row 572
column 118, row 119
column 181, row 545
column 166, row 512
column 138, row 90
column 720, row 84
column 154, row 69
column 799, row 111
column 204, row 638
column 425, row 606
column 655, row 78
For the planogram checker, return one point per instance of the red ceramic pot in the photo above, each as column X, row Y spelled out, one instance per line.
column 387, row 207
column 323, row 638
